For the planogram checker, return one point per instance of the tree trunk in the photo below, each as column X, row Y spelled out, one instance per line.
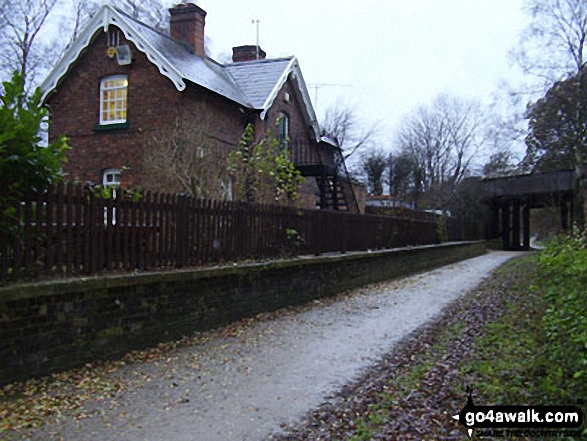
column 579, row 187
column 579, row 215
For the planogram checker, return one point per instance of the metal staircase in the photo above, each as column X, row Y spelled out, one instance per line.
column 327, row 166
column 332, row 195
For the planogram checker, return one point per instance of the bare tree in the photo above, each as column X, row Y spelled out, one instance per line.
column 22, row 21
column 185, row 159
column 83, row 12
column 553, row 49
column 20, row 24
column 505, row 129
column 553, row 45
column 441, row 140
column 342, row 123
column 152, row 12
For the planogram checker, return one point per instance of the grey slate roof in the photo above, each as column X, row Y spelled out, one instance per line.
column 257, row 79
column 247, row 83
column 205, row 73
column 253, row 84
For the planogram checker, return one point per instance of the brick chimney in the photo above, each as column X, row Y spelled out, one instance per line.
column 247, row 53
column 187, row 25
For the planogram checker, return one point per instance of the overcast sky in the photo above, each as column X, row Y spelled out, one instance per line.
column 382, row 57
column 385, row 57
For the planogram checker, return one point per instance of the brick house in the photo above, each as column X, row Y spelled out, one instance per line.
column 121, row 82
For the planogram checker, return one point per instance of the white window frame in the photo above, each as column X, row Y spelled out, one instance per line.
column 115, row 173
column 114, row 184
column 120, row 100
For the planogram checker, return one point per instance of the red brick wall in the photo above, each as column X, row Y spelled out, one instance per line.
column 153, row 104
column 301, row 135
column 58, row 325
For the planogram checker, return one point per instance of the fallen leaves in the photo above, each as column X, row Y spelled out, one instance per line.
column 81, row 393
column 407, row 395
column 31, row 404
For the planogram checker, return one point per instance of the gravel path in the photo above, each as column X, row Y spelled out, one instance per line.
column 247, row 385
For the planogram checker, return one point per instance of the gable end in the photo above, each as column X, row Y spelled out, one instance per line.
column 102, row 20
column 294, row 69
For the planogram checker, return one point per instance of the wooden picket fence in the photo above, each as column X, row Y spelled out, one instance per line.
column 69, row 231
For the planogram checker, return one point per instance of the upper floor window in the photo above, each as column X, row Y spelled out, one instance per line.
column 283, row 129
column 113, row 99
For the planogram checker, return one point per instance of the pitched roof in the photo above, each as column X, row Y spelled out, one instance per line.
column 253, row 84
column 202, row 71
column 257, row 79
column 261, row 81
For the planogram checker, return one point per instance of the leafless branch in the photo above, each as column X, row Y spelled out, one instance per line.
column 342, row 124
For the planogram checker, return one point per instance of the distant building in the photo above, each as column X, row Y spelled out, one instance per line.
column 387, row 202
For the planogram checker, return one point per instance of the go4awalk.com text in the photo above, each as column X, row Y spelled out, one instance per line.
column 528, row 421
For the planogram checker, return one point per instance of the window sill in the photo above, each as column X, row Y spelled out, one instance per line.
column 110, row 127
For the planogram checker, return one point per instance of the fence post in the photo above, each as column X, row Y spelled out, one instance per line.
column 78, row 221
column 28, row 236
column 159, row 228
column 148, row 227
column 88, row 230
column 5, row 227
column 133, row 224
column 95, row 216
column 49, row 227
column 142, row 231
column 68, row 226
column 17, row 256
column 182, row 230
column 59, row 228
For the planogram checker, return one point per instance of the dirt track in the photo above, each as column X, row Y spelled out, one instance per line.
column 245, row 386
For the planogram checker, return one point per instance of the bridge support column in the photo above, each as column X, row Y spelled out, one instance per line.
column 564, row 216
column 505, row 225
column 492, row 225
column 515, row 245
column 526, row 226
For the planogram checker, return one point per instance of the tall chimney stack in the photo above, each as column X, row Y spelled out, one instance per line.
column 187, row 25
column 247, row 53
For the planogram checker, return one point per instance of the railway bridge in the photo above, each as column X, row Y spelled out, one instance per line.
column 510, row 199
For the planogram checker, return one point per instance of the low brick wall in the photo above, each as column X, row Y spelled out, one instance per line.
column 52, row 326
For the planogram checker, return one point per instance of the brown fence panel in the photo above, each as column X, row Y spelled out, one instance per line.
column 68, row 225
column 5, row 248
column 27, row 238
column 69, row 230
column 15, row 244
column 95, row 226
column 48, row 225
column 159, row 228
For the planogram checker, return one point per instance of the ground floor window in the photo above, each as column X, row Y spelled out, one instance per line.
column 111, row 178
